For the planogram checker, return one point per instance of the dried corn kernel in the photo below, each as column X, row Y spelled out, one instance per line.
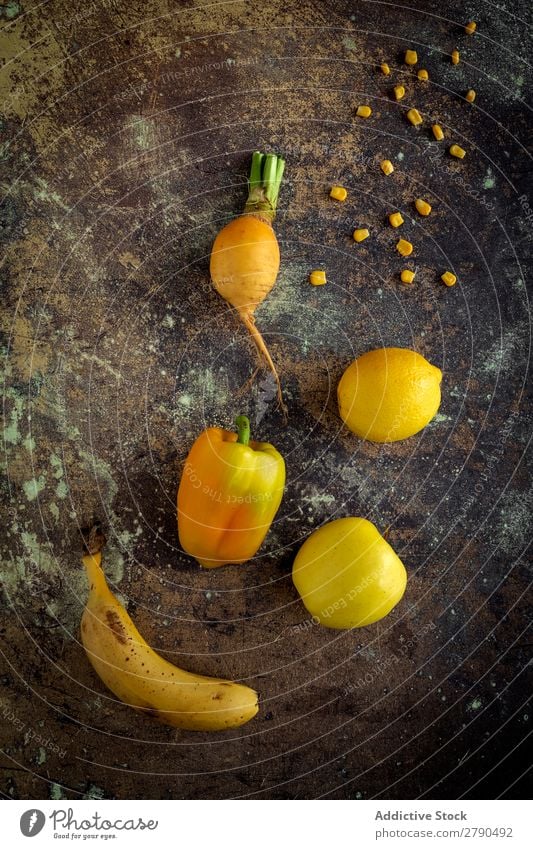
column 404, row 247
column 411, row 57
column 437, row 132
column 399, row 92
column 386, row 166
column 338, row 193
column 457, row 151
column 361, row 235
column 422, row 206
column 395, row 219
column 384, row 68
column 423, row 74
column 448, row 278
column 455, row 57
column 407, row 276
column 317, row 278
column 364, row 111
column 470, row 95
column 414, row 117
column 470, row 27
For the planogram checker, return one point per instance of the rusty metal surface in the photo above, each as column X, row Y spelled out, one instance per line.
column 126, row 134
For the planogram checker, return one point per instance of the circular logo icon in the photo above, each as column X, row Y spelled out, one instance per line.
column 32, row 822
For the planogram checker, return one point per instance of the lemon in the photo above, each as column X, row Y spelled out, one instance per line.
column 389, row 394
column 348, row 575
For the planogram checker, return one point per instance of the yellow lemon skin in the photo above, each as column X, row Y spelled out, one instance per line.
column 389, row 394
column 347, row 575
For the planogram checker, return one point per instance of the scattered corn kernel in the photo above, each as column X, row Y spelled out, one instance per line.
column 404, row 247
column 470, row 27
column 407, row 276
column 423, row 74
column 414, row 117
column 364, row 111
column 399, row 92
column 457, row 151
column 470, row 95
column 411, row 57
column 448, row 278
column 386, row 166
column 395, row 219
column 422, row 206
column 455, row 57
column 317, row 278
column 338, row 193
column 437, row 132
column 361, row 235
column 384, row 68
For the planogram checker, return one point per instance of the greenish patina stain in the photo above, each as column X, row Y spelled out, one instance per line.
column 44, row 193
column 519, row 83
column 29, row 444
column 475, row 704
column 54, row 510
column 168, row 321
column 439, row 418
column 41, row 756
column 56, row 791
column 61, row 490
column 94, row 792
column 33, row 487
column 57, row 466
column 10, row 10
column 11, row 430
column 513, row 526
column 489, row 181
column 177, row 53
column 349, row 43
column 505, row 352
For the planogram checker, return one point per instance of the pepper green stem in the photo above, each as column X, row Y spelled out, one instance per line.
column 266, row 174
column 243, row 429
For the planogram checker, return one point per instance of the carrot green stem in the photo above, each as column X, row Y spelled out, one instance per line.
column 243, row 429
column 266, row 173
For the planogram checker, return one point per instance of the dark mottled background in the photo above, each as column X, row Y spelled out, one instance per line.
column 126, row 133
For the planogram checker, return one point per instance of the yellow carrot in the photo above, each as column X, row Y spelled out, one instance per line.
column 245, row 255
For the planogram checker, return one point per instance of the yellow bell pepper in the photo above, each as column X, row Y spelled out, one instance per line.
column 229, row 493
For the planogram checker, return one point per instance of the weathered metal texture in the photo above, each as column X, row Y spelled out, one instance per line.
column 127, row 133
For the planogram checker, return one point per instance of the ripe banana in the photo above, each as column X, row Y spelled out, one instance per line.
column 143, row 679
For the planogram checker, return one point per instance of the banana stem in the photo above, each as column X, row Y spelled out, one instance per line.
column 92, row 559
column 95, row 573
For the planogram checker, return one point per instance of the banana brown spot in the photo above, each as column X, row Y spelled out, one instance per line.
column 113, row 620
